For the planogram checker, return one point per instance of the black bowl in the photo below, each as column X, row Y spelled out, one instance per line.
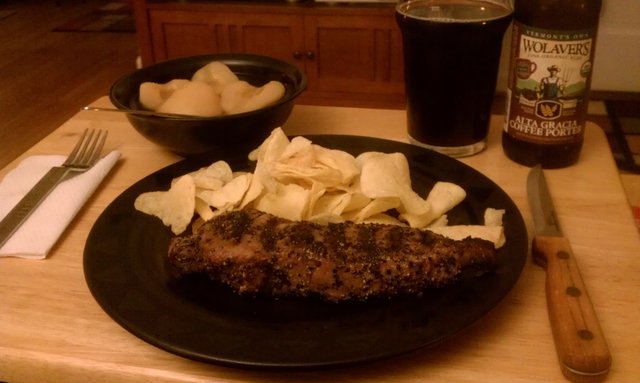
column 201, row 136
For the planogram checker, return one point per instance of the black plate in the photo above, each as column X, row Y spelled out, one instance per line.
column 198, row 319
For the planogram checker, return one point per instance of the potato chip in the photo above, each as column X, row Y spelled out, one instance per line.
column 174, row 207
column 419, row 221
column 493, row 217
column 203, row 210
column 228, row 196
column 443, row 220
column 357, row 201
column 444, row 196
column 298, row 152
column 393, row 163
column 375, row 207
column 271, row 148
column 289, row 202
column 331, row 204
column 303, row 163
column 316, row 192
column 254, row 191
column 286, row 173
column 212, row 177
column 339, row 160
column 387, row 175
column 265, row 156
column 218, row 170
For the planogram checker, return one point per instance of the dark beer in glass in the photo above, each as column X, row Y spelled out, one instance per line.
column 451, row 58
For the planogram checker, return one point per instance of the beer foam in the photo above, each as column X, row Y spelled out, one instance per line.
column 456, row 12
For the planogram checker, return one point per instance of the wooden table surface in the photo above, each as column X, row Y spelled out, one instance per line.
column 52, row 330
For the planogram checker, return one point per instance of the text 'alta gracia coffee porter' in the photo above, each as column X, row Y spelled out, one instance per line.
column 552, row 51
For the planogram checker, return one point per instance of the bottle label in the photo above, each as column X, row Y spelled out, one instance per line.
column 549, row 80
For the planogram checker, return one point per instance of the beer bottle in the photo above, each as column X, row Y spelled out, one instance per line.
column 552, row 51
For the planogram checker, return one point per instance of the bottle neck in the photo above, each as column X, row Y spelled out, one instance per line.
column 558, row 14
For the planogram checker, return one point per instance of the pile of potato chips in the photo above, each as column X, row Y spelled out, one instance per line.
column 298, row 180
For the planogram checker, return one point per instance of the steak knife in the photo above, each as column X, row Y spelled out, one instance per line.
column 582, row 349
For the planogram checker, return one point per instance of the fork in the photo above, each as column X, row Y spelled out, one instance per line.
column 83, row 156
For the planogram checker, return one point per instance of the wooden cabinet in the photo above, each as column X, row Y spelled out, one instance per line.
column 352, row 55
column 183, row 33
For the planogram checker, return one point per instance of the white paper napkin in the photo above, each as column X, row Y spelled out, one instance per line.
column 42, row 229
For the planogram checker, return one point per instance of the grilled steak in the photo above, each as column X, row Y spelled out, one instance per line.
column 257, row 253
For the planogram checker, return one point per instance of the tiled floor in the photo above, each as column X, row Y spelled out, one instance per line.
column 621, row 122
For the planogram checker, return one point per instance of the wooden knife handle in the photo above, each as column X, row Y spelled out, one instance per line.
column 581, row 346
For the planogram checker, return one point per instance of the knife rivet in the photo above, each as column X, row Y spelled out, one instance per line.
column 585, row 334
column 563, row 255
column 573, row 291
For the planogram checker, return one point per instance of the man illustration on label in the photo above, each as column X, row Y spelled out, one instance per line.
column 552, row 86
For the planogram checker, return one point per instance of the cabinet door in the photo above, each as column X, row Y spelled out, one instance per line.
column 354, row 54
column 185, row 33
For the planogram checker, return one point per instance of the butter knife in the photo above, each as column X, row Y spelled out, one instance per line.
column 580, row 343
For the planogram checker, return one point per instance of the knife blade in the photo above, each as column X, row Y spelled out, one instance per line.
column 580, row 343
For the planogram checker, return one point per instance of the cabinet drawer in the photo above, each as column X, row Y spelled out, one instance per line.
column 185, row 33
column 354, row 53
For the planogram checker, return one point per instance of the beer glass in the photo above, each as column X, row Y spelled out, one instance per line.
column 451, row 57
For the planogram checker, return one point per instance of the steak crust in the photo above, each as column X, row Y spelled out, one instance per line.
column 257, row 253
